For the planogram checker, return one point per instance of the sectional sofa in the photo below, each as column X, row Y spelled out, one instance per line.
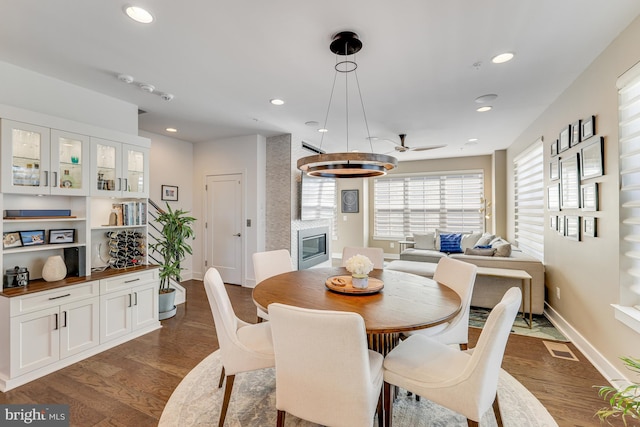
column 483, row 250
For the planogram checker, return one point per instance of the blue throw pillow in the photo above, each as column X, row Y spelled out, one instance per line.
column 450, row 243
column 482, row 247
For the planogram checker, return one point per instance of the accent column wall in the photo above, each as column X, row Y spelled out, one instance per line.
column 281, row 193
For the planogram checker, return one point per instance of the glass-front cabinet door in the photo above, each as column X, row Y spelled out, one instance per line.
column 137, row 171
column 25, row 158
column 69, row 165
column 106, row 167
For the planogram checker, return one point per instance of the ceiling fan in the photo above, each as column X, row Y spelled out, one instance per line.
column 401, row 148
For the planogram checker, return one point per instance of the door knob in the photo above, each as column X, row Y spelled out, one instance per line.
column 237, row 234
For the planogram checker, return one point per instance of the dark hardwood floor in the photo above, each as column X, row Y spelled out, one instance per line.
column 130, row 384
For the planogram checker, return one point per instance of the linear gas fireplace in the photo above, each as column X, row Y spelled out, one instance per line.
column 312, row 247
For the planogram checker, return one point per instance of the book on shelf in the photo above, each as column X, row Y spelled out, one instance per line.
column 131, row 213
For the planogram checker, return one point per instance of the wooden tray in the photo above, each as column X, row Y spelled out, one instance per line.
column 375, row 285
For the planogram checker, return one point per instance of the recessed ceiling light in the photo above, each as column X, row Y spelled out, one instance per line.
column 484, row 109
column 502, row 58
column 473, row 139
column 276, row 101
column 486, row 98
column 323, row 130
column 138, row 14
column 172, row 130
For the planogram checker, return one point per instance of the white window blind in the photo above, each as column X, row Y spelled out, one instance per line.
column 529, row 200
column 404, row 205
column 629, row 147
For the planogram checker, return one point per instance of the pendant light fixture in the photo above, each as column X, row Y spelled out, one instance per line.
column 347, row 164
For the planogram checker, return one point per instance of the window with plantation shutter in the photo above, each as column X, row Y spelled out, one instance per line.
column 409, row 204
column 529, row 200
column 629, row 163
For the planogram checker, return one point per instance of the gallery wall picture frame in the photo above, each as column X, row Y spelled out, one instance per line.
column 554, row 148
column 554, row 169
column 576, row 129
column 561, row 225
column 572, row 227
column 588, row 127
column 11, row 239
column 570, row 182
column 62, row 235
column 553, row 197
column 553, row 222
column 589, row 196
column 589, row 226
column 592, row 159
column 350, row 201
column 32, row 237
column 564, row 139
column 169, row 193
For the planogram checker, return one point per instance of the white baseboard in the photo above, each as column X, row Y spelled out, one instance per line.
column 608, row 370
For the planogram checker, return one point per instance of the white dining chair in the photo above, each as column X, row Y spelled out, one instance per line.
column 324, row 372
column 463, row 381
column 268, row 264
column 376, row 255
column 243, row 346
column 459, row 276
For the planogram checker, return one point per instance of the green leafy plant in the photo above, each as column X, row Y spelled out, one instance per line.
column 173, row 245
column 623, row 402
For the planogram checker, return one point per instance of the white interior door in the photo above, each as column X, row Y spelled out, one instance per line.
column 224, row 226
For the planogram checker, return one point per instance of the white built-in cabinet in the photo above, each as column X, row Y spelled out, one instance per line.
column 49, row 163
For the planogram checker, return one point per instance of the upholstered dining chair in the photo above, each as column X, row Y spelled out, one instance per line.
column 459, row 276
column 463, row 381
column 324, row 372
column 243, row 346
column 268, row 264
column 376, row 255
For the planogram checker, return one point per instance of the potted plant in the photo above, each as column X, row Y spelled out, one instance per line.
column 624, row 402
column 173, row 246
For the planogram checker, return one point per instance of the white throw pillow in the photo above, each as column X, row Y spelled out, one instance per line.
column 424, row 241
column 469, row 240
column 497, row 241
column 485, row 239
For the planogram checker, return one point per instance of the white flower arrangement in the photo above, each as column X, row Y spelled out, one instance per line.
column 359, row 265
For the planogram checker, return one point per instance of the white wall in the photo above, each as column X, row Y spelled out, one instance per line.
column 246, row 155
column 587, row 272
column 171, row 163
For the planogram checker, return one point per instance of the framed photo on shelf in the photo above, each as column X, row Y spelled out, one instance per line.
column 563, row 141
column 572, row 230
column 588, row 127
column 350, row 201
column 570, row 183
column 169, row 193
column 553, row 197
column 554, row 169
column 589, row 226
column 589, row 196
column 575, row 133
column 65, row 235
column 592, row 158
column 554, row 148
column 32, row 238
column 11, row 240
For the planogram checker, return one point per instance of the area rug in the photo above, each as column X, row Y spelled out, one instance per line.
column 542, row 327
column 197, row 400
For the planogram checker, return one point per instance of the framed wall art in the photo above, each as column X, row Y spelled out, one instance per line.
column 564, row 140
column 553, row 197
column 592, row 157
column 554, row 148
column 554, row 169
column 561, row 225
column 588, row 127
column 589, row 196
column 572, row 227
column 169, row 193
column 589, row 226
column 553, row 222
column 350, row 201
column 570, row 183
column 32, row 238
column 575, row 133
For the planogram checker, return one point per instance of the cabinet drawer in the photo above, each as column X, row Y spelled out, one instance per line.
column 46, row 299
column 127, row 281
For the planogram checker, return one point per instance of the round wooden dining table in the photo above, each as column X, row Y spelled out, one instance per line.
column 407, row 301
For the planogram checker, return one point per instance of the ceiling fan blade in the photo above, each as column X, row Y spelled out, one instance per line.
column 428, row 147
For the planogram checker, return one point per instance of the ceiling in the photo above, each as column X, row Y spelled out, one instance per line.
column 422, row 65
